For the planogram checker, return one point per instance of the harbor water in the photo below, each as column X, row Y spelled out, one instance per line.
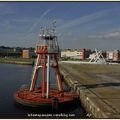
column 14, row 77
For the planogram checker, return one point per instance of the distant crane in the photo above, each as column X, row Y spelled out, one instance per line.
column 98, row 57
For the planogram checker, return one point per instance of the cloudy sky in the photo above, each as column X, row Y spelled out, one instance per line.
column 79, row 24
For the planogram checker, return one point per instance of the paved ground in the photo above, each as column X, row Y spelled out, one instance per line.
column 102, row 80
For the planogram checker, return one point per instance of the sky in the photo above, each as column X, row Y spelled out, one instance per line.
column 78, row 24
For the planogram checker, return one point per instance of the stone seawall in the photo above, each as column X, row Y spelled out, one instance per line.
column 91, row 102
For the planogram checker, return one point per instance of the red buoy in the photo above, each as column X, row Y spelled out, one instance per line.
column 47, row 56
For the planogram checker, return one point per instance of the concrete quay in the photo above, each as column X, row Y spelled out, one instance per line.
column 98, row 87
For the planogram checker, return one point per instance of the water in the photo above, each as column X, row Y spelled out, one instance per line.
column 12, row 77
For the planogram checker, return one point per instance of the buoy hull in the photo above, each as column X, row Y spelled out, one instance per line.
column 35, row 99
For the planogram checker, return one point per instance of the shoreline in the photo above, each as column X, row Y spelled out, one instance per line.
column 17, row 61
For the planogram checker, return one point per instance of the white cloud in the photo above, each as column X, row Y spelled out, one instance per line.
column 87, row 18
column 109, row 35
column 34, row 24
column 114, row 34
column 38, row 21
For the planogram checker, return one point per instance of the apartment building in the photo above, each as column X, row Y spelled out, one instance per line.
column 113, row 55
column 28, row 53
column 75, row 54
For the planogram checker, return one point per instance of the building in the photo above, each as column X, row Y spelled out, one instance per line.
column 71, row 54
column 113, row 55
column 28, row 53
column 75, row 54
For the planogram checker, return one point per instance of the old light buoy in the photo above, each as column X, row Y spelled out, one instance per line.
column 47, row 50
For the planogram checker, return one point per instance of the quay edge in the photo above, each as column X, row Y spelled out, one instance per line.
column 17, row 61
column 92, row 104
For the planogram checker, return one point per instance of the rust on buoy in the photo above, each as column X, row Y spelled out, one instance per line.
column 35, row 99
